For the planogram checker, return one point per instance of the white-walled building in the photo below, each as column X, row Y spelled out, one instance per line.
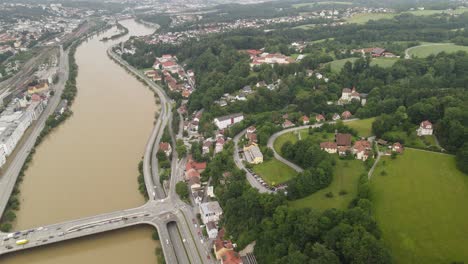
column 228, row 120
column 210, row 212
column 425, row 128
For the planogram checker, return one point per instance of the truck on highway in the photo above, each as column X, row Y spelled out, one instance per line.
column 22, row 242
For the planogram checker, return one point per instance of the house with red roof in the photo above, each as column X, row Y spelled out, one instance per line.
column 193, row 168
column 361, row 149
column 343, row 139
column 425, row 128
column 346, row 115
column 287, row 123
column 329, row 147
column 397, row 147
column 166, row 148
column 231, row 257
column 319, row 118
column 305, row 120
column 221, row 246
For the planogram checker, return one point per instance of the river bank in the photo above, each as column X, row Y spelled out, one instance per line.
column 88, row 166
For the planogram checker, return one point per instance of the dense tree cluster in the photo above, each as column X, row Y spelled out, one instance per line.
column 318, row 167
column 286, row 235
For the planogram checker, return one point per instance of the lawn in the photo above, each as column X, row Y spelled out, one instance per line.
column 305, row 27
column 321, row 3
column 426, row 50
column 384, row 62
column 337, row 65
column 363, row 126
column 279, row 142
column 345, row 177
column 304, row 134
column 274, row 172
column 413, row 140
column 420, row 206
column 365, row 17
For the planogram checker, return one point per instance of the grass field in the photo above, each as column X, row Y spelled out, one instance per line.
column 274, row 172
column 413, row 140
column 337, row 65
column 384, row 62
column 294, row 137
column 421, row 207
column 363, row 126
column 279, row 142
column 365, row 17
column 345, row 177
column 321, row 3
column 305, row 27
column 425, row 51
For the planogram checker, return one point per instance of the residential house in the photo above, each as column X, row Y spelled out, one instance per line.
column 346, row 115
column 343, row 139
column 231, row 257
column 219, row 144
column 166, row 147
column 330, row 147
column 287, row 124
column 211, row 229
column 361, row 149
column 305, row 120
column 336, row 117
column 247, row 89
column 193, row 168
column 251, row 129
column 228, row 120
column 222, row 246
column 397, row 147
column 206, row 146
column 253, row 154
column 347, row 95
column 343, row 150
column 210, row 212
column 425, row 128
column 252, row 138
column 194, row 184
column 319, row 118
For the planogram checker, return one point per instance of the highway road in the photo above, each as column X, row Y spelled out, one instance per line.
column 192, row 247
column 9, row 177
column 181, row 239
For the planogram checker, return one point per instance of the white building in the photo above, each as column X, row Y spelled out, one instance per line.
column 425, row 128
column 210, row 212
column 226, row 121
column 212, row 230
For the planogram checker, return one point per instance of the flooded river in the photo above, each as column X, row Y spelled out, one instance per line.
column 89, row 164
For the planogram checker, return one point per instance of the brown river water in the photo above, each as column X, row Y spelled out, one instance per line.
column 88, row 165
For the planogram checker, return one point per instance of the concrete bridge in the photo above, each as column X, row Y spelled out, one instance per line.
column 173, row 219
column 157, row 213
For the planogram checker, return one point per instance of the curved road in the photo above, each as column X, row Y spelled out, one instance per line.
column 250, row 178
column 252, row 181
column 407, row 55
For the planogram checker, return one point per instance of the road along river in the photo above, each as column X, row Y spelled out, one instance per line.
column 88, row 165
